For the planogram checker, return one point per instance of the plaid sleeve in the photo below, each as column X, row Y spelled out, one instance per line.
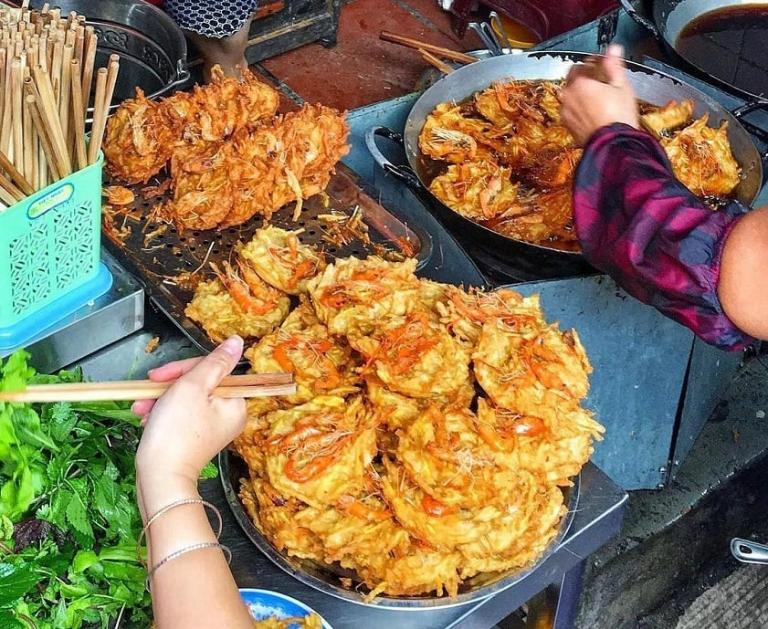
column 644, row 228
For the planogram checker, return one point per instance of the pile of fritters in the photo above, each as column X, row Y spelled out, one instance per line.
column 510, row 161
column 432, row 426
column 231, row 157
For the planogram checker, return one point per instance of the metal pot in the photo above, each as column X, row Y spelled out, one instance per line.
column 650, row 85
column 667, row 19
column 152, row 48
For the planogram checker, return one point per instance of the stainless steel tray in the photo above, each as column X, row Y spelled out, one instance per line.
column 326, row 578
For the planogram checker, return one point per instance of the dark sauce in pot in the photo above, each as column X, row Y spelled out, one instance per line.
column 731, row 44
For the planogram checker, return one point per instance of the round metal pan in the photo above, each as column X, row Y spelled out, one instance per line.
column 668, row 18
column 326, row 578
column 650, row 85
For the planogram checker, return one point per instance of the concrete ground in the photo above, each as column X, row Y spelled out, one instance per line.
column 674, row 544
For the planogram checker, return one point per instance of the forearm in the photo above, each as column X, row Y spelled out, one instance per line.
column 196, row 589
column 660, row 242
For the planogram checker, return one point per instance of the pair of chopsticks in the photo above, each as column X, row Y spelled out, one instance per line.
column 245, row 386
column 429, row 52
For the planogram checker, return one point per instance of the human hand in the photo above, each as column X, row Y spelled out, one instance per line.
column 188, row 426
column 598, row 94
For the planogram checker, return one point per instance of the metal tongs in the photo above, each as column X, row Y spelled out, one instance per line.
column 747, row 551
column 487, row 35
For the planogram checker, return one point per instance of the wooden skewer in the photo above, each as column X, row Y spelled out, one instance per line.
column 6, row 139
column 47, row 107
column 30, row 149
column 99, row 116
column 445, row 53
column 245, row 380
column 78, row 117
column 437, row 63
column 8, row 193
column 134, row 390
column 89, row 58
column 64, row 93
column 58, row 53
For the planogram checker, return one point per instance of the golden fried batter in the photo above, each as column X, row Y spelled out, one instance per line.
column 416, row 356
column 281, row 260
column 351, row 296
column 478, row 190
column 662, row 120
column 555, row 443
column 320, row 450
column 303, row 347
column 237, row 304
column 451, row 136
column 517, row 359
column 701, row 158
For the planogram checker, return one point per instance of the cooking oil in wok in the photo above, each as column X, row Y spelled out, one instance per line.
column 731, row 44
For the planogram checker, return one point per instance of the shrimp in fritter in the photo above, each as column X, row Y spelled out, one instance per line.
column 352, row 296
column 445, row 455
column 478, row 190
column 504, row 103
column 320, row 364
column 231, row 305
column 282, row 260
column 415, row 355
column 702, row 160
column 660, row 121
column 517, row 360
column 450, row 135
column 555, row 443
column 320, row 450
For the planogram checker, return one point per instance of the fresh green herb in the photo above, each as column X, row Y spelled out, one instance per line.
column 68, row 516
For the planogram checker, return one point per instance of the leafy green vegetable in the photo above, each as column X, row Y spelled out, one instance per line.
column 209, row 471
column 68, row 516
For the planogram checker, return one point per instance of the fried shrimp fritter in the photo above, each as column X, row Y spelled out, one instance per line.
column 702, row 160
column 303, row 347
column 320, row 450
column 416, row 356
column 478, row 190
column 517, row 360
column 351, row 296
column 394, row 466
column 445, row 455
column 281, row 260
column 140, row 139
column 661, row 121
column 237, row 302
column 450, row 135
column 142, row 135
column 555, row 443
column 505, row 102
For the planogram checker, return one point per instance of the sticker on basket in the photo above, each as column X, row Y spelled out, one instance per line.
column 50, row 201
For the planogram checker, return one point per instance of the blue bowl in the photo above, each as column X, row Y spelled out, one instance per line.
column 268, row 604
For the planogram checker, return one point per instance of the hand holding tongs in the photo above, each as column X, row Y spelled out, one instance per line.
column 748, row 551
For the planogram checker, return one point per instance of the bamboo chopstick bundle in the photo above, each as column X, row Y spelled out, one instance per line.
column 47, row 68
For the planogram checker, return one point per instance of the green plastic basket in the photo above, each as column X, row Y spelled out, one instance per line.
column 50, row 244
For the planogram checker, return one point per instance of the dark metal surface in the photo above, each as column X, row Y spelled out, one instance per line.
column 650, row 85
column 152, row 48
column 325, row 578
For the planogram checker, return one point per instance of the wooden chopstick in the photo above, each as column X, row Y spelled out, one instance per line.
column 445, row 53
column 436, row 63
column 246, row 386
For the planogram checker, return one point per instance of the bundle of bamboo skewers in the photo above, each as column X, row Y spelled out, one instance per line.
column 46, row 79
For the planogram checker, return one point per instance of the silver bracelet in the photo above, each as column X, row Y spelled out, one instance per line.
column 183, row 551
column 173, row 505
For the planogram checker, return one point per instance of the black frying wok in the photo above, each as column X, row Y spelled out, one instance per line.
column 666, row 20
column 546, row 262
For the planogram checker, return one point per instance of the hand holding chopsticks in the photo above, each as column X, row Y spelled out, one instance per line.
column 245, row 386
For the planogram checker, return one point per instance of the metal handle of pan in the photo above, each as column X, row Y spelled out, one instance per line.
column 182, row 74
column 748, row 551
column 403, row 173
column 488, row 37
column 640, row 18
